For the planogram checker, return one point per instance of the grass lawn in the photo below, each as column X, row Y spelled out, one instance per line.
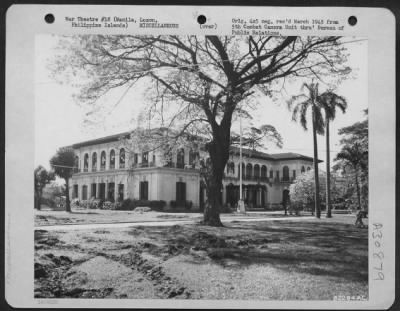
column 272, row 260
column 87, row 216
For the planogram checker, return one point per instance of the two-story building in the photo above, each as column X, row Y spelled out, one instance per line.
column 106, row 169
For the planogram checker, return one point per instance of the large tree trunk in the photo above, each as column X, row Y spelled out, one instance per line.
column 328, row 174
column 358, row 190
column 67, row 202
column 316, row 179
column 219, row 154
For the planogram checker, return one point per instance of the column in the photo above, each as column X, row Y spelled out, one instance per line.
column 98, row 189
column 90, row 162
column 107, row 162
column 116, row 158
column 116, row 186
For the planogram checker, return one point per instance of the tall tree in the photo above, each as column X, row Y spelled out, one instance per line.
column 63, row 164
column 355, row 157
column 202, row 80
column 299, row 105
column 330, row 101
column 42, row 178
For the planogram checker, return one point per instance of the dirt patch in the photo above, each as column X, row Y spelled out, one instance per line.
column 44, row 239
column 167, row 287
column 274, row 260
column 48, row 271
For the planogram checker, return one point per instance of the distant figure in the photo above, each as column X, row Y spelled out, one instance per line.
column 284, row 203
column 360, row 215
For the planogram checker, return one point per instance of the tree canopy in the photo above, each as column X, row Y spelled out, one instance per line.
column 42, row 177
column 63, row 163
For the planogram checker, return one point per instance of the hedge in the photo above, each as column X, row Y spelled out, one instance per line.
column 129, row 204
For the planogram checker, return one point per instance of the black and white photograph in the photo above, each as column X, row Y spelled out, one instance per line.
column 202, row 167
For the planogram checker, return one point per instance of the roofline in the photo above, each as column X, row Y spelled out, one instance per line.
column 101, row 140
column 266, row 156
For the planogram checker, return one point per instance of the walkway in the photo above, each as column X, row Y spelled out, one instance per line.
column 224, row 219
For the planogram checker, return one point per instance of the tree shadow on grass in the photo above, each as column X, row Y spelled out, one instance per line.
column 337, row 250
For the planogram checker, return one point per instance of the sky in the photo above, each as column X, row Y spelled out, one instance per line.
column 60, row 121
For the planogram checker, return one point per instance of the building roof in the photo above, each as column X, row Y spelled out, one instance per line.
column 247, row 152
column 101, row 140
column 273, row 156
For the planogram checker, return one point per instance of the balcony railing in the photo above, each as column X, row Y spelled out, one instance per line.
column 143, row 164
column 252, row 178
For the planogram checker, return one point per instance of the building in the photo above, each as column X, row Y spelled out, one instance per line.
column 106, row 169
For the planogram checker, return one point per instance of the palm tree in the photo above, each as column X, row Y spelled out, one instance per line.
column 356, row 157
column 330, row 101
column 299, row 105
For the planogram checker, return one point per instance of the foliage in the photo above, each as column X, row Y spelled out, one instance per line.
column 130, row 205
column 303, row 190
column 197, row 84
column 330, row 102
column 42, row 177
column 63, row 163
column 75, row 203
column 299, row 106
column 108, row 205
column 256, row 137
column 352, row 160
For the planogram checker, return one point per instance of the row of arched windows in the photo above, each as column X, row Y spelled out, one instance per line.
column 103, row 160
column 250, row 171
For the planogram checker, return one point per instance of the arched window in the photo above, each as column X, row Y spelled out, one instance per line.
column 193, row 155
column 285, row 173
column 122, row 158
column 308, row 168
column 76, row 164
column 94, row 162
column 180, row 158
column 145, row 159
column 263, row 171
column 103, row 161
column 249, row 169
column 256, row 171
column 303, row 169
column 86, row 162
column 112, row 159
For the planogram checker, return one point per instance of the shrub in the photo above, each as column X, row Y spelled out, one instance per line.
column 84, row 203
column 129, row 205
column 188, row 204
column 48, row 201
column 172, row 203
column 116, row 206
column 75, row 203
column 108, row 205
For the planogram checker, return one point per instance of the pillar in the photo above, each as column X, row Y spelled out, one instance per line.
column 116, row 191
column 106, row 189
